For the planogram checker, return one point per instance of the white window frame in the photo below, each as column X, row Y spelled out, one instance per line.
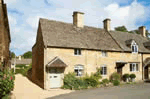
column 80, row 70
column 134, row 47
column 104, row 53
column 78, row 53
column 102, row 70
column 134, row 67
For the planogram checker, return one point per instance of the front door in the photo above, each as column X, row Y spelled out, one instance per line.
column 146, row 72
column 55, row 80
column 119, row 71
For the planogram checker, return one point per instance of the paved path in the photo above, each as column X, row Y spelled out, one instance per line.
column 25, row 89
column 141, row 91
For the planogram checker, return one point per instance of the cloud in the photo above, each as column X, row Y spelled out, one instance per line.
column 24, row 16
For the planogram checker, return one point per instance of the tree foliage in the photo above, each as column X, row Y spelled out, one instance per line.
column 27, row 54
column 121, row 28
column 124, row 29
column 12, row 54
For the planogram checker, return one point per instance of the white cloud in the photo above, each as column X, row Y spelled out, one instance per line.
column 24, row 27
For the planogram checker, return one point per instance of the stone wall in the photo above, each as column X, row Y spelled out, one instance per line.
column 38, row 61
column 92, row 59
column 4, row 35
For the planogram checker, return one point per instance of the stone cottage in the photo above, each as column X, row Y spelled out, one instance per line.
column 65, row 47
column 4, row 36
column 20, row 61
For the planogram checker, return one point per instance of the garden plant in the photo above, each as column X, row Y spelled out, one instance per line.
column 6, row 82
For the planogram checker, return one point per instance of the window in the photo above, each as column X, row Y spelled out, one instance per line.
column 104, row 53
column 134, row 47
column 134, row 67
column 77, row 51
column 104, row 70
column 78, row 70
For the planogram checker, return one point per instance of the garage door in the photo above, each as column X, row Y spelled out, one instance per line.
column 55, row 80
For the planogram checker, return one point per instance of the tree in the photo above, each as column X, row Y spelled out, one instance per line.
column 12, row 54
column 124, row 29
column 27, row 54
column 121, row 28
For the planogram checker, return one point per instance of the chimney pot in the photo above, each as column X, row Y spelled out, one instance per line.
column 78, row 19
column 142, row 31
column 107, row 24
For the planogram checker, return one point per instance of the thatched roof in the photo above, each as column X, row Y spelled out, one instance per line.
column 66, row 35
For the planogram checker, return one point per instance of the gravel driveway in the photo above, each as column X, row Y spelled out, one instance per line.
column 139, row 91
column 25, row 89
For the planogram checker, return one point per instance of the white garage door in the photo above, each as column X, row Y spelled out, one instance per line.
column 55, row 80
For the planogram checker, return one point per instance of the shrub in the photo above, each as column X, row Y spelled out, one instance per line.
column 91, row 81
column 72, row 82
column 116, row 82
column 6, row 82
column 115, row 76
column 125, row 76
column 132, row 76
column 105, row 81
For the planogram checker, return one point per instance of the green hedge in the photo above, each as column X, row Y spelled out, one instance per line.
column 24, row 70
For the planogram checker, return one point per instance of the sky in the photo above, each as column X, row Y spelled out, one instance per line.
column 24, row 16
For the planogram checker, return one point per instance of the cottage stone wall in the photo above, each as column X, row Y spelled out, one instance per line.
column 92, row 59
column 38, row 61
column 4, row 35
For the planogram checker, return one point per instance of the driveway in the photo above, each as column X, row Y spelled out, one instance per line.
column 139, row 91
column 25, row 89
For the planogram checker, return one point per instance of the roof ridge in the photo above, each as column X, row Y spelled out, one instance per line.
column 70, row 23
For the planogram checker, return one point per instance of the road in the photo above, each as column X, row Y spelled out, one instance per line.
column 139, row 91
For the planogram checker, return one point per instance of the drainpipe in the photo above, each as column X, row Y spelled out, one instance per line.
column 142, row 67
column 45, row 63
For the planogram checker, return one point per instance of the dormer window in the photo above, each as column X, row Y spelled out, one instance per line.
column 134, row 47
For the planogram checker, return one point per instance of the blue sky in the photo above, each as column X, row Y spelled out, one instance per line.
column 24, row 16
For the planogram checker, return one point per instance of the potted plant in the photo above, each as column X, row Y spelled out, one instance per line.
column 132, row 76
column 126, row 77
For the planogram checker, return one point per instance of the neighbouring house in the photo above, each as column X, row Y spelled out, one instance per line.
column 4, row 36
column 20, row 61
column 65, row 47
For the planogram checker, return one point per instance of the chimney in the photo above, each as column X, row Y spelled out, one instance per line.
column 19, row 57
column 1, row 2
column 78, row 19
column 107, row 24
column 142, row 31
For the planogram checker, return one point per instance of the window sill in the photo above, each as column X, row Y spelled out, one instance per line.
column 103, row 75
column 134, row 71
column 103, row 56
column 134, row 52
column 77, row 55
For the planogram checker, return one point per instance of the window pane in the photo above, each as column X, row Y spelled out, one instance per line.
column 75, row 51
column 105, row 70
column 137, row 68
column 130, row 67
column 135, row 48
column 76, row 71
column 79, row 51
column 132, row 48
